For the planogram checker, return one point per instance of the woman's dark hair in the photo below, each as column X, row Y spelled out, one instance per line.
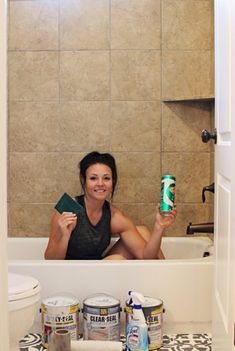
column 96, row 157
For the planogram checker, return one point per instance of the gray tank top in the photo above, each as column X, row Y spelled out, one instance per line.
column 88, row 241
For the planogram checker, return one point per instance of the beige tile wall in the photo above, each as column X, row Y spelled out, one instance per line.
column 187, row 43
column 92, row 75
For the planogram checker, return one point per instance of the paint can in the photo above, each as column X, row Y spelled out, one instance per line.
column 153, row 312
column 59, row 312
column 101, row 318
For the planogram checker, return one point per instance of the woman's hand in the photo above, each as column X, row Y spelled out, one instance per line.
column 162, row 221
column 67, row 222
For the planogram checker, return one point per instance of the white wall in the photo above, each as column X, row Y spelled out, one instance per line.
column 3, row 177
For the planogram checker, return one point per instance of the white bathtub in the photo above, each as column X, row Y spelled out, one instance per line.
column 183, row 281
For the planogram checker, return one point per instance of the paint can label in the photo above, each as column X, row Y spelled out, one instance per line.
column 153, row 311
column 101, row 316
column 167, row 194
column 59, row 312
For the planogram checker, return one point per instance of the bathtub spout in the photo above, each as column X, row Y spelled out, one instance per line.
column 200, row 228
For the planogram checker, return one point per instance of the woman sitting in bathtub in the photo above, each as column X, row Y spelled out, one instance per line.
column 87, row 235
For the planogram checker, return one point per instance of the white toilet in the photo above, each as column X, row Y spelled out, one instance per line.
column 23, row 303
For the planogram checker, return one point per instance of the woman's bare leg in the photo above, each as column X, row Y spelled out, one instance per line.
column 146, row 234
column 114, row 257
column 120, row 252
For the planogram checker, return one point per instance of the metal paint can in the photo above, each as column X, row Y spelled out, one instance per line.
column 153, row 312
column 167, row 194
column 101, row 318
column 60, row 312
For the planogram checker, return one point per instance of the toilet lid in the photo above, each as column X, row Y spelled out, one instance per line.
column 21, row 286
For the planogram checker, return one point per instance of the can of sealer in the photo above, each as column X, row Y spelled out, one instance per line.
column 101, row 317
column 60, row 312
column 153, row 312
column 167, row 194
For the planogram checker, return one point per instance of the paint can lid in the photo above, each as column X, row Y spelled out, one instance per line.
column 101, row 300
column 60, row 300
column 150, row 302
column 21, row 286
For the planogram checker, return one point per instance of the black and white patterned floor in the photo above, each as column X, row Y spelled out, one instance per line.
column 173, row 342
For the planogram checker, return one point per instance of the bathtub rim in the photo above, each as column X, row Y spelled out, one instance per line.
column 152, row 262
column 206, row 239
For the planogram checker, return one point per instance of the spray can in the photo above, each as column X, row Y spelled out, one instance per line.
column 153, row 313
column 167, row 194
column 137, row 329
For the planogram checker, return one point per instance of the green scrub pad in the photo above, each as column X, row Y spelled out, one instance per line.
column 67, row 204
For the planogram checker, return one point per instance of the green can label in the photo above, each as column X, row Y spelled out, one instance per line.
column 167, row 194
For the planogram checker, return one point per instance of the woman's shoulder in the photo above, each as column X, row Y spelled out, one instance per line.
column 120, row 222
column 118, row 215
column 115, row 211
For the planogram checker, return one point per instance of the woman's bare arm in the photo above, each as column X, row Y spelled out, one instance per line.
column 161, row 223
column 61, row 229
column 132, row 239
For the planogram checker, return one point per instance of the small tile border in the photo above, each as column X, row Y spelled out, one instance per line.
column 172, row 342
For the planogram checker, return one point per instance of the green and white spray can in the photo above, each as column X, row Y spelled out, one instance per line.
column 167, row 194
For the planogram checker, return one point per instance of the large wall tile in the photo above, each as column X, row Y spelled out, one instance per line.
column 194, row 213
column 140, row 213
column 135, row 24
column 139, row 177
column 33, row 25
column 135, row 126
column 42, row 177
column 192, row 171
column 84, row 75
column 33, row 76
column 21, row 223
column 182, row 125
column 84, row 125
column 84, row 24
column 186, row 74
column 135, row 75
column 144, row 214
column 34, row 126
column 187, row 25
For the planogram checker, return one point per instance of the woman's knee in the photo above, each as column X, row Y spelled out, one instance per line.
column 115, row 257
column 119, row 250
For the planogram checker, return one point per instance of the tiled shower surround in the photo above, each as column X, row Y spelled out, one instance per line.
column 94, row 75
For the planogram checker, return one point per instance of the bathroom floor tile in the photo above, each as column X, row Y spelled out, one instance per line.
column 186, row 342
column 31, row 342
column 172, row 342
